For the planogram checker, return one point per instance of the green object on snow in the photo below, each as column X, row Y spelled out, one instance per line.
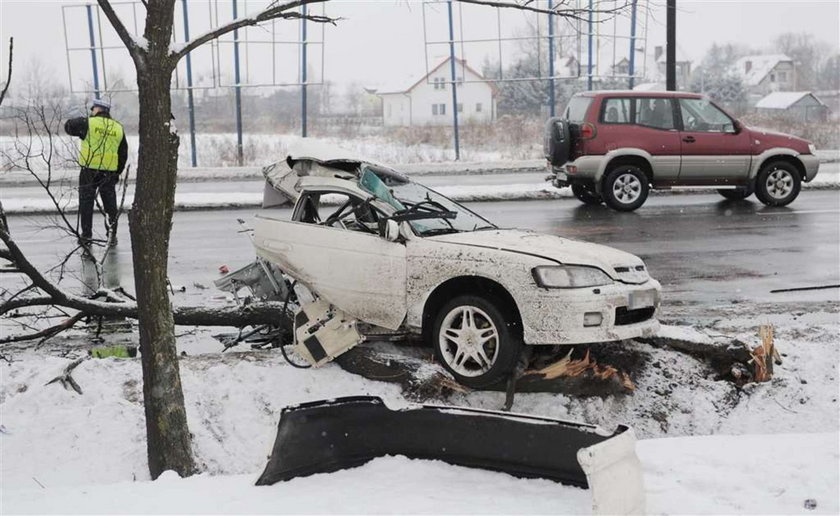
column 114, row 351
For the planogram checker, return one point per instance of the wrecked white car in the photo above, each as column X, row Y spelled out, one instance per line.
column 381, row 249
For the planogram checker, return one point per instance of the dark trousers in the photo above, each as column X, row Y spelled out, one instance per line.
column 90, row 182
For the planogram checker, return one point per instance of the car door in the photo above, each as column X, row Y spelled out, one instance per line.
column 359, row 272
column 713, row 151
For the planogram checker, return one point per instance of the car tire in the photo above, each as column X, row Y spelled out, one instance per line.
column 586, row 196
column 625, row 188
column 737, row 194
column 778, row 183
column 456, row 337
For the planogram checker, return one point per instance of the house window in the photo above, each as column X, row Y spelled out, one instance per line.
column 782, row 76
column 478, row 107
column 434, row 109
column 460, row 108
column 439, row 83
column 442, row 109
column 772, row 77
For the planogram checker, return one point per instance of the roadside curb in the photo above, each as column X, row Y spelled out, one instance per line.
column 520, row 192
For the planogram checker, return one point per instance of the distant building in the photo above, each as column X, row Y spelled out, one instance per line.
column 683, row 69
column 763, row 74
column 621, row 68
column 655, row 76
column 803, row 106
column 428, row 100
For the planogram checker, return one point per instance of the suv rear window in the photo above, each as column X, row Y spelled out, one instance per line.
column 576, row 110
column 656, row 112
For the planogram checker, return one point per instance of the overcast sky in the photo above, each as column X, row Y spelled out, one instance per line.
column 384, row 40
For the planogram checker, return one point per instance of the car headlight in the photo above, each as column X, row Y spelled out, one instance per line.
column 570, row 276
column 811, row 148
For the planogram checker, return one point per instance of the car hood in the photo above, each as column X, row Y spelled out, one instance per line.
column 619, row 265
column 765, row 139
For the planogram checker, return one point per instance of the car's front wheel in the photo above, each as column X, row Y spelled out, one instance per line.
column 475, row 341
column 586, row 196
column 736, row 194
column 625, row 188
column 777, row 184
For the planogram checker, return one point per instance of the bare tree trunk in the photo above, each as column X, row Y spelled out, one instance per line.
column 169, row 442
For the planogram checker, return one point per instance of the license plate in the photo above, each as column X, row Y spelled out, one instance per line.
column 641, row 299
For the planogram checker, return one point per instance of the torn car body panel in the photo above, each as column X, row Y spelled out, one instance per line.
column 322, row 332
column 327, row 436
column 360, row 273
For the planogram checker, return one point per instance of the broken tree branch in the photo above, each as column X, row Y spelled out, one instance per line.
column 65, row 379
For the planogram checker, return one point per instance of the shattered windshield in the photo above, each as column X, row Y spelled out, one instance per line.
column 432, row 213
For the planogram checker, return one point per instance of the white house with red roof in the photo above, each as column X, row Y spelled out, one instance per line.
column 428, row 100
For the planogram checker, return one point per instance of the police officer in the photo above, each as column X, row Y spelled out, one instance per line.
column 102, row 158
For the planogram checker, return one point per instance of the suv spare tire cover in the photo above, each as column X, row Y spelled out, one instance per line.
column 557, row 142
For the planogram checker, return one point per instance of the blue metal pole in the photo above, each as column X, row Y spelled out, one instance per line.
column 632, row 68
column 93, row 51
column 237, row 89
column 551, row 100
column 454, row 83
column 190, row 102
column 303, row 72
column 589, row 52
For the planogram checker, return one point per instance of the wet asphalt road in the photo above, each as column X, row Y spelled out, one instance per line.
column 705, row 251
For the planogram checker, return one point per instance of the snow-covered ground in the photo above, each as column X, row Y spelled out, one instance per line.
column 767, row 448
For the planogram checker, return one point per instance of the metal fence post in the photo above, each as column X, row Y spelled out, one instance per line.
column 454, row 83
column 190, row 102
column 93, row 51
column 238, row 90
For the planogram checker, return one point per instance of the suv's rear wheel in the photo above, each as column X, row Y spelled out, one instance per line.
column 585, row 195
column 777, row 184
column 736, row 194
column 625, row 188
column 474, row 341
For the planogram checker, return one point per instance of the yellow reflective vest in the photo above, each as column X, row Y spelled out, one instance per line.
column 101, row 145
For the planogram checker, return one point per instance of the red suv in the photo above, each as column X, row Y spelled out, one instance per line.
column 614, row 146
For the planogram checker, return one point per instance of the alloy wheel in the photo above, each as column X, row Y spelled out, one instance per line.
column 627, row 188
column 779, row 183
column 469, row 341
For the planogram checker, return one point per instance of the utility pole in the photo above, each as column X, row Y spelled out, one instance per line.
column 671, row 46
column 551, row 85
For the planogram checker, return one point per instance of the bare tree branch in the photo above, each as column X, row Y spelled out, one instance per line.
column 129, row 42
column 272, row 12
column 9, row 74
column 561, row 11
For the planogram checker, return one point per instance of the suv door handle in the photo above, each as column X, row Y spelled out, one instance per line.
column 688, row 139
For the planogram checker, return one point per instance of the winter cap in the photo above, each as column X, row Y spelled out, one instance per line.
column 104, row 104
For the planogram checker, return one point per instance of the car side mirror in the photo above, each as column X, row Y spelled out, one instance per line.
column 737, row 126
column 392, row 230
